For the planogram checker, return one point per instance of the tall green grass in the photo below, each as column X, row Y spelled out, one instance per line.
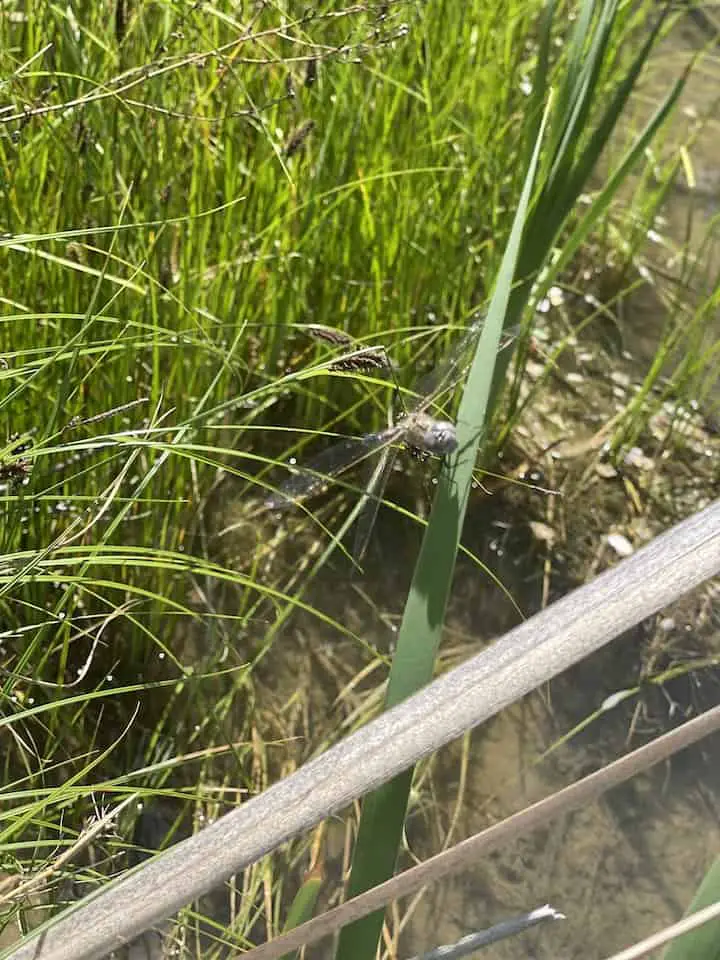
column 160, row 249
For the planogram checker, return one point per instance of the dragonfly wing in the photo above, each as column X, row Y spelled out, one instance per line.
column 313, row 476
column 373, row 497
column 448, row 371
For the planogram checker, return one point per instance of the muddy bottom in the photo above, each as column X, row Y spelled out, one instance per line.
column 618, row 869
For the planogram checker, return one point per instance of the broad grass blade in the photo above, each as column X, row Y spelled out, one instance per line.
column 383, row 812
column 703, row 943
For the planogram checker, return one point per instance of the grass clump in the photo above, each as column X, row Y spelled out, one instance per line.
column 183, row 191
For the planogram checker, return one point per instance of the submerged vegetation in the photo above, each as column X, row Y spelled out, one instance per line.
column 188, row 191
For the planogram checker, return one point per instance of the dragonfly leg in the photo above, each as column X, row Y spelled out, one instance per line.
column 417, row 453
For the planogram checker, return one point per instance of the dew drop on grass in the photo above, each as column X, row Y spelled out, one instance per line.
column 614, row 699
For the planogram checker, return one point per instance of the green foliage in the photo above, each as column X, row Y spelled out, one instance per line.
column 703, row 943
column 180, row 193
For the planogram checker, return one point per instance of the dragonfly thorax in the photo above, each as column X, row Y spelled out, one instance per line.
column 424, row 432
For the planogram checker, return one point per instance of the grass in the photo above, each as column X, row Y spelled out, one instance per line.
column 166, row 237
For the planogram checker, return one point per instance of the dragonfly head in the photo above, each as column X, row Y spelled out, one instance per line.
column 436, row 437
column 444, row 438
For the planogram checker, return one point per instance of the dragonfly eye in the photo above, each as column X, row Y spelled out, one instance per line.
column 443, row 437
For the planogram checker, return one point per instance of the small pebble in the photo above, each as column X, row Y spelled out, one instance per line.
column 605, row 470
column 620, row 544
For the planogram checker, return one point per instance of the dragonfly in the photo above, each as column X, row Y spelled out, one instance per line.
column 422, row 433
